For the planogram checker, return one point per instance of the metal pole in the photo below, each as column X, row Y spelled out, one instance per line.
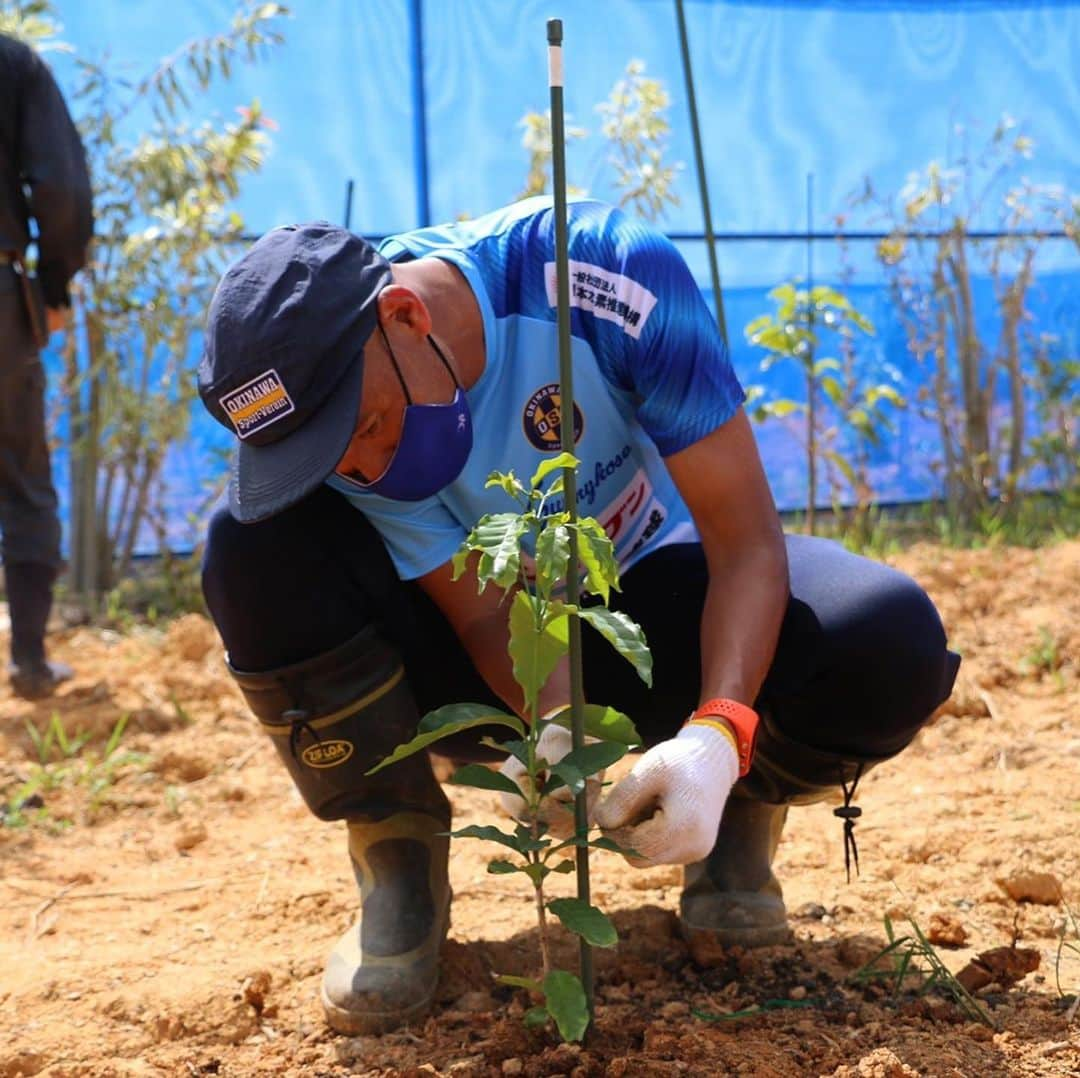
column 419, row 101
column 349, row 184
column 699, row 158
column 811, row 381
column 566, row 428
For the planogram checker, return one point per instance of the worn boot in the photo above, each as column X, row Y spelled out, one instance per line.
column 384, row 969
column 332, row 718
column 30, row 595
column 733, row 898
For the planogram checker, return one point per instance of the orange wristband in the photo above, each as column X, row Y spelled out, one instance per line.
column 743, row 720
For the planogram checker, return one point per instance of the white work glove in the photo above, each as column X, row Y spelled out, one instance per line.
column 557, row 808
column 668, row 808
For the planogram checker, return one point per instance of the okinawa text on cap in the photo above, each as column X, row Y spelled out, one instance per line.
column 284, row 359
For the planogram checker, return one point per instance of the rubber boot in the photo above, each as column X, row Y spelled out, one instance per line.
column 333, row 718
column 733, row 898
column 29, row 588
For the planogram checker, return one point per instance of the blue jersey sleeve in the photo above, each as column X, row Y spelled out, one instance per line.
column 637, row 303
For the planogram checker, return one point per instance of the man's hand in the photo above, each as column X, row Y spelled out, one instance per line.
column 668, row 808
column 557, row 809
column 56, row 319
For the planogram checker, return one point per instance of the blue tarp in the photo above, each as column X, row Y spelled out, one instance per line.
column 841, row 91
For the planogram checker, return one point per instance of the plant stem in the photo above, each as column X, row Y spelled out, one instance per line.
column 541, row 918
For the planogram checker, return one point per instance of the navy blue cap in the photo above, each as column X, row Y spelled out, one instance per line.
column 284, row 359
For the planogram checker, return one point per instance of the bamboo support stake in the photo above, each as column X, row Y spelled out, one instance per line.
column 566, row 425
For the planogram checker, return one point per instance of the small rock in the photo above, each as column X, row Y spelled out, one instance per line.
column 810, row 911
column 1039, row 887
column 798, row 992
column 675, row 1009
column 880, row 1063
column 469, row 1066
column 181, row 767
column 1004, row 966
column 255, row 989
column 475, row 1002
column 513, row 1066
column 189, row 834
column 858, row 951
column 946, row 931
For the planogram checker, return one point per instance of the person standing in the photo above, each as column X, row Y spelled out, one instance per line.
column 44, row 180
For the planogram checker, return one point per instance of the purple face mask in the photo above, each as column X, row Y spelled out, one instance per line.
column 435, row 443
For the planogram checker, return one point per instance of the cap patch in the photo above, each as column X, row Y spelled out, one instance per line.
column 257, row 404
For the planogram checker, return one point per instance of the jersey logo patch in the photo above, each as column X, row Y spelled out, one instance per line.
column 257, row 404
column 542, row 419
column 605, row 294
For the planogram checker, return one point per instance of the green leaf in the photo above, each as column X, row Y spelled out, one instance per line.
column 598, row 843
column 843, row 465
column 578, row 764
column 597, row 554
column 470, row 713
column 488, row 834
column 483, row 778
column 517, row 748
column 585, row 920
column 552, row 553
column 535, row 1017
column 783, row 293
column 502, row 868
column 565, row 999
column 863, row 323
column 498, row 538
column 784, row 408
column 756, row 326
column 605, row 723
column 833, row 389
column 509, row 482
column 448, row 720
column 535, row 654
column 625, row 635
column 563, row 460
column 537, row 872
column 885, row 392
column 460, row 560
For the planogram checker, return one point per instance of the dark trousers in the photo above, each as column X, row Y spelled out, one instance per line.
column 29, row 523
column 860, row 666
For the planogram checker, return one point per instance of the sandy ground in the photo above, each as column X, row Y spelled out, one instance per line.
column 168, row 913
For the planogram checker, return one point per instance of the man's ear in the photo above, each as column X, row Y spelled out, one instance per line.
column 401, row 305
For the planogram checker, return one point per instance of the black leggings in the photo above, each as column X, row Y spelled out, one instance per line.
column 861, row 662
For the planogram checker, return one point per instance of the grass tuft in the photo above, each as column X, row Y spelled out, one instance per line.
column 914, row 955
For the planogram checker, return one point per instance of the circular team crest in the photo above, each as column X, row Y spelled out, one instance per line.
column 541, row 419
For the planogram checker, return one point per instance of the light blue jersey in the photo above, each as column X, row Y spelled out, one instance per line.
column 651, row 377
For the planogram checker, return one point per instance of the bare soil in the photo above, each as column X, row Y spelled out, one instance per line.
column 169, row 914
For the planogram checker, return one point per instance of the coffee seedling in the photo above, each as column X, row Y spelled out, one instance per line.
column 503, row 547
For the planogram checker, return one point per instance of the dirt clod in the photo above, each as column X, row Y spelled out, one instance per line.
column 1004, row 966
column 945, row 930
column 1042, row 888
column 880, row 1063
column 189, row 834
